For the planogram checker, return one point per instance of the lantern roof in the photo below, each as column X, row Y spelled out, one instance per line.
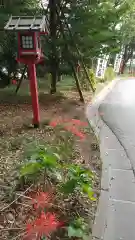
column 27, row 23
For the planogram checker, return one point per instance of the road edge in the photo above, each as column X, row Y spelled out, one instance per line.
column 102, row 94
column 96, row 124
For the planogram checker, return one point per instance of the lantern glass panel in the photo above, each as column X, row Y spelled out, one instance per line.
column 27, row 42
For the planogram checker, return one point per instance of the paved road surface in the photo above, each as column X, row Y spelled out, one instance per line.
column 115, row 119
column 118, row 110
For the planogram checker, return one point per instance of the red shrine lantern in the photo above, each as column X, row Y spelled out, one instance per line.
column 28, row 31
column 29, row 47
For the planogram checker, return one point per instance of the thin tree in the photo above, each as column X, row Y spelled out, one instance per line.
column 53, row 36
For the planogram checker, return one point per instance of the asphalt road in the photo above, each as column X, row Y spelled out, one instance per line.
column 118, row 112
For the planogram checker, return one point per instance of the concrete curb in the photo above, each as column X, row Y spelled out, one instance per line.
column 96, row 102
column 102, row 94
column 97, row 124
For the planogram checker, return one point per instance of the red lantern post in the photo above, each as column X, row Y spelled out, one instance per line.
column 34, row 94
column 29, row 51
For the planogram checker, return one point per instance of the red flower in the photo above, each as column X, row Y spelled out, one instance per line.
column 44, row 225
column 41, row 200
column 53, row 123
column 71, row 128
column 79, row 123
column 75, row 131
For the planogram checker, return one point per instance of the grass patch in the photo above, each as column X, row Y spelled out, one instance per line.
column 67, row 83
column 8, row 95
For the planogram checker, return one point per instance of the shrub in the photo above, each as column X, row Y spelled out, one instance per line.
column 109, row 74
column 92, row 78
column 78, row 229
column 85, row 84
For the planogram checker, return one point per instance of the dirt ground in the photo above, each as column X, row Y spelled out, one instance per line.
column 16, row 132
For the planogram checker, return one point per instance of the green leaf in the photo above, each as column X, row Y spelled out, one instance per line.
column 83, row 175
column 91, row 196
column 30, row 168
column 87, row 189
column 75, row 232
column 79, row 223
column 57, row 156
column 69, row 186
column 49, row 161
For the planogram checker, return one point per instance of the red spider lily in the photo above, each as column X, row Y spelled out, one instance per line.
column 72, row 121
column 75, row 131
column 54, row 123
column 79, row 123
column 71, row 128
column 41, row 200
column 43, row 226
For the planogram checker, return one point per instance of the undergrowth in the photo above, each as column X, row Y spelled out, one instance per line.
column 54, row 193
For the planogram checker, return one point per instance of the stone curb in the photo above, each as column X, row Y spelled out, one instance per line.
column 102, row 94
column 97, row 125
column 96, row 101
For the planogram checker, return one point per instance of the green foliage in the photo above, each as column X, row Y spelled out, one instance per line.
column 69, row 186
column 79, row 229
column 8, row 43
column 48, row 162
column 64, row 144
column 38, row 161
column 77, row 178
column 85, row 83
column 127, row 25
column 70, row 177
column 67, row 83
column 109, row 74
column 127, row 33
column 94, row 26
column 94, row 30
column 92, row 78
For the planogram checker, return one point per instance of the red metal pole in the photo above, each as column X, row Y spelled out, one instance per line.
column 34, row 94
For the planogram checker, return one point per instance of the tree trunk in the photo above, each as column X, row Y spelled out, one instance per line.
column 69, row 59
column 53, row 30
column 77, row 84
column 131, row 64
column 53, row 76
column 122, row 68
column 128, row 52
